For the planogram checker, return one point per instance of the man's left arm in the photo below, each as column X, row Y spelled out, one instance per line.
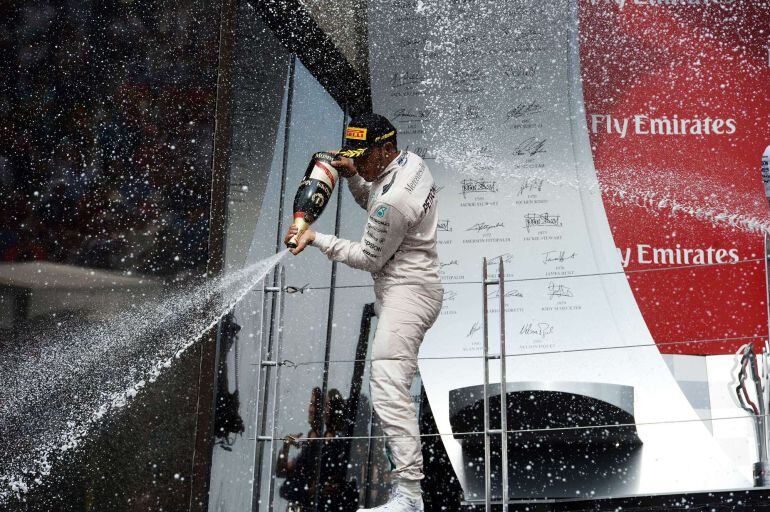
column 384, row 232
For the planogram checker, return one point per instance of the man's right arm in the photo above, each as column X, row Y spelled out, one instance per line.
column 383, row 234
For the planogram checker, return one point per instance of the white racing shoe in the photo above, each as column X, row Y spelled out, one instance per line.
column 398, row 502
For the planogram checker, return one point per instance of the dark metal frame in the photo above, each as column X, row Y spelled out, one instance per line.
column 209, row 346
column 293, row 25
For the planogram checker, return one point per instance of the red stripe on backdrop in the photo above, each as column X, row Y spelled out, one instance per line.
column 677, row 109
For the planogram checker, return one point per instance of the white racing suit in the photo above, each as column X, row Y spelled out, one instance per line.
column 399, row 248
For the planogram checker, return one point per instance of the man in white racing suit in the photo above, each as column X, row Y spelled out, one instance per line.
column 398, row 247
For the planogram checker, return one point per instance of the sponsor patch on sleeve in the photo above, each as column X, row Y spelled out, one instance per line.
column 380, row 213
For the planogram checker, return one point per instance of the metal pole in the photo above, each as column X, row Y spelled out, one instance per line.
column 761, row 467
column 487, row 472
column 765, row 399
column 330, row 320
column 277, row 359
column 285, row 155
column 761, row 405
column 267, row 340
column 503, row 388
column 261, row 394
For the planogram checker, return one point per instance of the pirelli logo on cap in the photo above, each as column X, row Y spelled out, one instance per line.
column 355, row 133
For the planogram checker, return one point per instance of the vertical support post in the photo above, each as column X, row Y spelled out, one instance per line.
column 503, row 388
column 761, row 469
column 503, row 431
column 330, row 317
column 267, row 340
column 260, row 412
column 763, row 386
column 285, row 155
column 276, row 357
column 766, row 348
column 485, row 359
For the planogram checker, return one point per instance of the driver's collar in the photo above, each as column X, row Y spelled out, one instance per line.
column 390, row 167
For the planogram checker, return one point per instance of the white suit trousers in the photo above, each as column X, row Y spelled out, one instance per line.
column 405, row 313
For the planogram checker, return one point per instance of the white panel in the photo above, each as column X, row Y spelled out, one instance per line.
column 737, row 437
column 490, row 92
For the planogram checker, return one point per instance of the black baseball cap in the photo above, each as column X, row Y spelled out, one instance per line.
column 365, row 131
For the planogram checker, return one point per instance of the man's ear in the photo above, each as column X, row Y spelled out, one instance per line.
column 389, row 147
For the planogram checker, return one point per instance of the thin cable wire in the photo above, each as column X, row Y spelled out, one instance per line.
column 541, row 353
column 635, row 271
column 525, row 431
column 545, row 278
column 566, row 351
column 616, row 347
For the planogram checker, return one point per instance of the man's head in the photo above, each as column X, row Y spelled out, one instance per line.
column 370, row 140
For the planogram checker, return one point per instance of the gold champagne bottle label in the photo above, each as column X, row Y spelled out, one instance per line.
column 302, row 225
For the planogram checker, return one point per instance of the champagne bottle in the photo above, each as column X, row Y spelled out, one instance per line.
column 313, row 193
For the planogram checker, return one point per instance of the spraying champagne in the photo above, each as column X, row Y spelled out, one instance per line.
column 313, row 193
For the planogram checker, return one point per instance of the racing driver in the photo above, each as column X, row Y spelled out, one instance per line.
column 398, row 247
